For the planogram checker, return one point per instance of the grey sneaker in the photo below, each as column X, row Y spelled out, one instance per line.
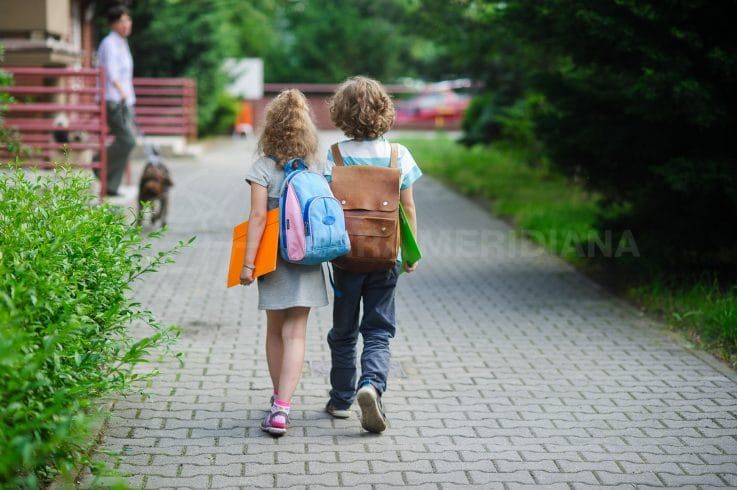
column 337, row 412
column 372, row 410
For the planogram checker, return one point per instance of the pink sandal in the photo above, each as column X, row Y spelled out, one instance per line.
column 275, row 423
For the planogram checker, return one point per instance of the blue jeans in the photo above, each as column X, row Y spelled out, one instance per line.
column 377, row 326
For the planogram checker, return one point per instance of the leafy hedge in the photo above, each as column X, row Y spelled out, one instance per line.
column 66, row 269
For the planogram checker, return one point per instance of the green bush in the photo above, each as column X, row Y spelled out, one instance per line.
column 643, row 102
column 517, row 124
column 480, row 123
column 225, row 114
column 487, row 120
column 641, row 106
column 66, row 269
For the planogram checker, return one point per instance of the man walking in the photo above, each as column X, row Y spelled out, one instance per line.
column 115, row 55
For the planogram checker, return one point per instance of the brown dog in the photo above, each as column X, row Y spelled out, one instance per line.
column 154, row 186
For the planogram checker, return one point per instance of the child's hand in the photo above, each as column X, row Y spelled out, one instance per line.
column 247, row 275
column 410, row 268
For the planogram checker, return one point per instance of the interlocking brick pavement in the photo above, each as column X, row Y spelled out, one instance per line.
column 511, row 369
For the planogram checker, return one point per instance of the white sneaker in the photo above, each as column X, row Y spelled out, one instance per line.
column 372, row 411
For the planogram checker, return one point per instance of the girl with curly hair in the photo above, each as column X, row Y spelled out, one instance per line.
column 288, row 293
column 362, row 109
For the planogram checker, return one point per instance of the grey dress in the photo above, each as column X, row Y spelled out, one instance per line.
column 289, row 285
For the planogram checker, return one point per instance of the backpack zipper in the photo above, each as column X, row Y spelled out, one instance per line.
column 306, row 214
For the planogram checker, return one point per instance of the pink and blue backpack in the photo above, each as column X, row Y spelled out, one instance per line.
column 312, row 222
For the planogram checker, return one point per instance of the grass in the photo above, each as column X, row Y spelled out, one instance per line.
column 542, row 205
column 560, row 215
column 706, row 312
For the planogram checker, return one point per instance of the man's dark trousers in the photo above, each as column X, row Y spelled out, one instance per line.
column 120, row 123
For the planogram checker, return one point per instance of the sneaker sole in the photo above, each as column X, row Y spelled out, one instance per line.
column 371, row 418
column 275, row 431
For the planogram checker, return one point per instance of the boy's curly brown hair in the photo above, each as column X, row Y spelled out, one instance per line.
column 289, row 131
column 361, row 108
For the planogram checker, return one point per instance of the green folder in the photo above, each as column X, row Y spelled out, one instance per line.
column 410, row 249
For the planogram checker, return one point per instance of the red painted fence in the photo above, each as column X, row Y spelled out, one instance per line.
column 166, row 106
column 68, row 102
column 45, row 96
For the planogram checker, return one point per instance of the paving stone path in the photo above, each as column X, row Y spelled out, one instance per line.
column 510, row 369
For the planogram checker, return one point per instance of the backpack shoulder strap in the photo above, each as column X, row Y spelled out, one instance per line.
column 337, row 157
column 394, row 155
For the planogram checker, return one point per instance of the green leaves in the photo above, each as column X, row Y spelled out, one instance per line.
column 184, row 39
column 300, row 41
column 640, row 101
column 65, row 317
column 704, row 309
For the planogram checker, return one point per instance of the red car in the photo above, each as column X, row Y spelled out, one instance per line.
column 442, row 106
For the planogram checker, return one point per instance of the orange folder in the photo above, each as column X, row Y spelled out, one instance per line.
column 267, row 249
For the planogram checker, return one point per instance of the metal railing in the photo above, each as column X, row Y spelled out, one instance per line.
column 60, row 114
column 166, row 106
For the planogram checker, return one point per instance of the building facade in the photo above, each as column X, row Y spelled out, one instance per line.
column 47, row 33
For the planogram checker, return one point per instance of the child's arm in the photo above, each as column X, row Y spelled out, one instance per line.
column 408, row 203
column 256, row 225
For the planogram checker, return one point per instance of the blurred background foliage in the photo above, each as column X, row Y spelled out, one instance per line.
column 306, row 41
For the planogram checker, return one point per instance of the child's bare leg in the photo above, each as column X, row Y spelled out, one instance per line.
column 274, row 345
column 293, row 333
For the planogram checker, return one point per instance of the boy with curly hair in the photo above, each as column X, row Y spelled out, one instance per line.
column 362, row 109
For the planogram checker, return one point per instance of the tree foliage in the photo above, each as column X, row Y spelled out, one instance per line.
column 328, row 41
column 305, row 41
column 173, row 38
column 639, row 100
column 324, row 42
column 644, row 107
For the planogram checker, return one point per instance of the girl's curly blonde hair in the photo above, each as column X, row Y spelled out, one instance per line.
column 361, row 108
column 289, row 131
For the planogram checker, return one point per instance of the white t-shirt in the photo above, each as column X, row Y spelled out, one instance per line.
column 115, row 55
column 375, row 152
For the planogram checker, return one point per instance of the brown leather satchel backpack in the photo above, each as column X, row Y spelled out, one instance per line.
column 370, row 199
